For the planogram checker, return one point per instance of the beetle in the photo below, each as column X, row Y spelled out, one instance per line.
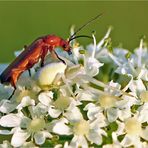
column 38, row 49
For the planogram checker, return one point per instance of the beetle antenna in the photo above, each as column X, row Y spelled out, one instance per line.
column 79, row 36
column 87, row 23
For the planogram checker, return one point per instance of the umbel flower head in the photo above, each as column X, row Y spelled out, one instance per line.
column 97, row 98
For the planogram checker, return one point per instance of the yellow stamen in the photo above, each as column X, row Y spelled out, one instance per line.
column 107, row 101
column 81, row 128
column 133, row 126
column 36, row 124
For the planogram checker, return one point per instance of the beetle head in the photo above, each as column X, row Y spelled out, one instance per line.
column 66, row 46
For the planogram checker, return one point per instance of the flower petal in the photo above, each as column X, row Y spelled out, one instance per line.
column 10, row 120
column 112, row 114
column 26, row 101
column 79, row 141
column 54, row 113
column 94, row 137
column 46, row 97
column 127, row 141
column 19, row 137
column 39, row 138
column 93, row 110
column 73, row 114
column 6, row 132
column 143, row 110
column 144, row 133
column 6, row 106
column 137, row 86
column 92, row 66
column 60, row 127
column 85, row 95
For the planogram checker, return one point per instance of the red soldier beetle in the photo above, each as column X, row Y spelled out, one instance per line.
column 38, row 49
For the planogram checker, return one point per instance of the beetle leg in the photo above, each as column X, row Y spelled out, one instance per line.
column 12, row 94
column 14, row 79
column 13, row 82
column 44, row 53
column 15, row 73
column 54, row 54
column 29, row 71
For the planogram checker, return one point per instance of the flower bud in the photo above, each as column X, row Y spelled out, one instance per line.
column 48, row 73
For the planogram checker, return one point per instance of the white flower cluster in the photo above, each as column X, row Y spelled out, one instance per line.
column 97, row 98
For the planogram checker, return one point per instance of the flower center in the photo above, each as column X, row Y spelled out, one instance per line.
column 133, row 126
column 62, row 102
column 144, row 96
column 81, row 128
column 36, row 124
column 107, row 101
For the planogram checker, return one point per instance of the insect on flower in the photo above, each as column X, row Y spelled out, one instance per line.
column 38, row 49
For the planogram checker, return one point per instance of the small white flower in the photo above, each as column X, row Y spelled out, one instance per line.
column 35, row 127
column 91, row 64
column 46, row 98
column 84, row 128
column 132, row 128
column 55, row 107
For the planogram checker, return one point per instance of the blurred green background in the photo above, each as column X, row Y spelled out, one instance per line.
column 22, row 22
